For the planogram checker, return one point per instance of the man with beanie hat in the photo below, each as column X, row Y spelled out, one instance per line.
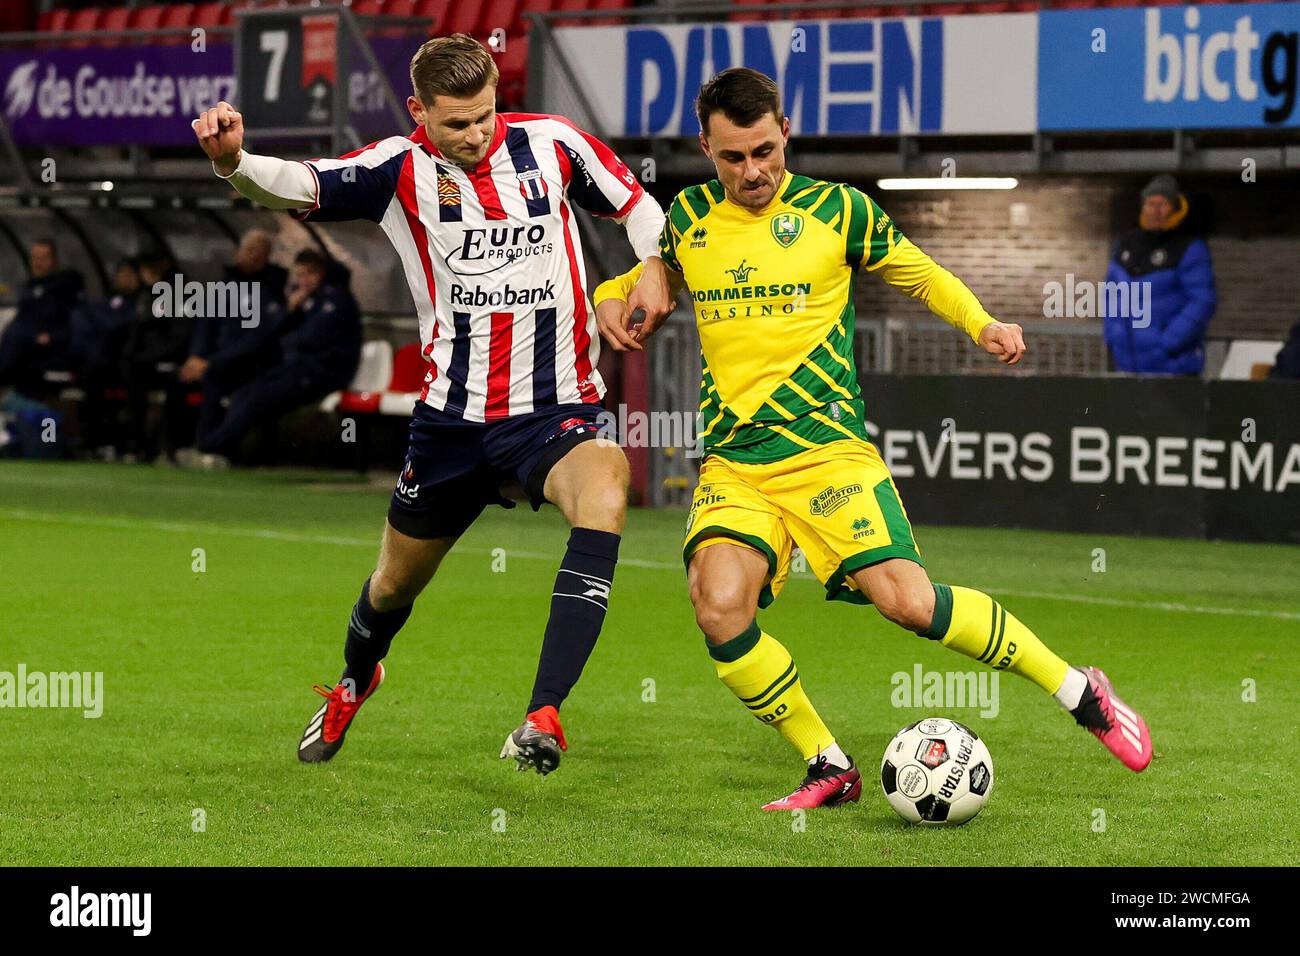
column 1169, row 336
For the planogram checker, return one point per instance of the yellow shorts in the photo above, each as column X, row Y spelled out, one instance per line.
column 836, row 502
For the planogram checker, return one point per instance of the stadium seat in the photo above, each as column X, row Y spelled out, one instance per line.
column 374, row 372
column 462, row 18
column 177, row 15
column 82, row 20
column 399, row 8
column 610, row 5
column 209, row 15
column 147, row 18
column 435, row 11
column 572, row 6
column 512, row 64
column 114, row 20
column 503, row 15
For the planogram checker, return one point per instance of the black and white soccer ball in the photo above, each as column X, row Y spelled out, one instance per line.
column 936, row 772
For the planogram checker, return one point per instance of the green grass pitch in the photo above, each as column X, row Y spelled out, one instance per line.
column 207, row 681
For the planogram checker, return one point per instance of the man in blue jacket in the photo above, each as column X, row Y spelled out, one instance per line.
column 309, row 348
column 1169, row 339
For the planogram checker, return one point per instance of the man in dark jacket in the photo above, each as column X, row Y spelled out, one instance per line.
column 1287, row 363
column 100, row 331
column 216, row 336
column 1175, row 266
column 155, row 346
column 39, row 338
column 309, row 350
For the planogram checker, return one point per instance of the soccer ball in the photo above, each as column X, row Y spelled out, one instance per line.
column 936, row 772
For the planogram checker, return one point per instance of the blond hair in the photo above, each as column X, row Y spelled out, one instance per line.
column 456, row 65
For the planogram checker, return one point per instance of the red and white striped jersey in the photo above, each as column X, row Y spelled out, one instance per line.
column 492, row 256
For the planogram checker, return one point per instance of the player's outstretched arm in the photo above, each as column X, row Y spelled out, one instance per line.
column 910, row 270
column 266, row 180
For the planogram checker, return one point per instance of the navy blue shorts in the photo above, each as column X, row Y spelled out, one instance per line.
column 454, row 468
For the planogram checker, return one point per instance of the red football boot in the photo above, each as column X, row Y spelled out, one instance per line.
column 324, row 735
column 536, row 745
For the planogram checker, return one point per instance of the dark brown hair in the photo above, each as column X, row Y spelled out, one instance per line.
column 742, row 95
column 457, row 65
column 312, row 260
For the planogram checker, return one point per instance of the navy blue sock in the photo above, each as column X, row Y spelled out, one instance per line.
column 370, row 632
column 578, row 607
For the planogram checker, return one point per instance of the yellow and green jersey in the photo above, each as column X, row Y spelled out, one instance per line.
column 773, row 297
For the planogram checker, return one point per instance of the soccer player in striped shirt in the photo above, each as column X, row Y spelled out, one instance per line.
column 770, row 259
column 479, row 206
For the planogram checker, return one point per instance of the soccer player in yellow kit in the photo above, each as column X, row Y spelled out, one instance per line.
column 769, row 259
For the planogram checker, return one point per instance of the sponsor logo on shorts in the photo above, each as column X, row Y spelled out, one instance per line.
column 407, row 488
column 832, row 499
column 862, row 528
column 704, row 495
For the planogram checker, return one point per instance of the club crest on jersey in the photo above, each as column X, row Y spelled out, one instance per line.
column 531, row 184
column 786, row 228
column 448, row 190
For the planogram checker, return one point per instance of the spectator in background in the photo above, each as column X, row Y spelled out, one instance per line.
column 39, row 338
column 99, row 335
column 1287, row 363
column 307, row 351
column 155, row 346
column 217, row 337
column 1163, row 253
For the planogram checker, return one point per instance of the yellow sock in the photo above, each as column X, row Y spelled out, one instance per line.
column 972, row 623
column 761, row 673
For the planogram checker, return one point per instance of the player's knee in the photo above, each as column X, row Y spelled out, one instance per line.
column 721, row 611
column 603, row 507
column 907, row 606
column 390, row 589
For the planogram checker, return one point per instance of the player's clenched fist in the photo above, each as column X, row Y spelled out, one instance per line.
column 611, row 319
column 220, row 131
column 1006, row 340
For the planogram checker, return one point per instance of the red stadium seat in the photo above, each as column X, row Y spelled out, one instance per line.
column 409, row 369
column 502, row 15
column 462, row 18
column 538, row 6
column 177, row 15
column 115, row 19
column 399, row 8
column 368, row 8
column 147, row 18
column 572, row 6
column 513, row 66
column 436, row 11
column 82, row 20
column 209, row 15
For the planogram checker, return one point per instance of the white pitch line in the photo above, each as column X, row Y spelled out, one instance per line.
column 267, row 534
